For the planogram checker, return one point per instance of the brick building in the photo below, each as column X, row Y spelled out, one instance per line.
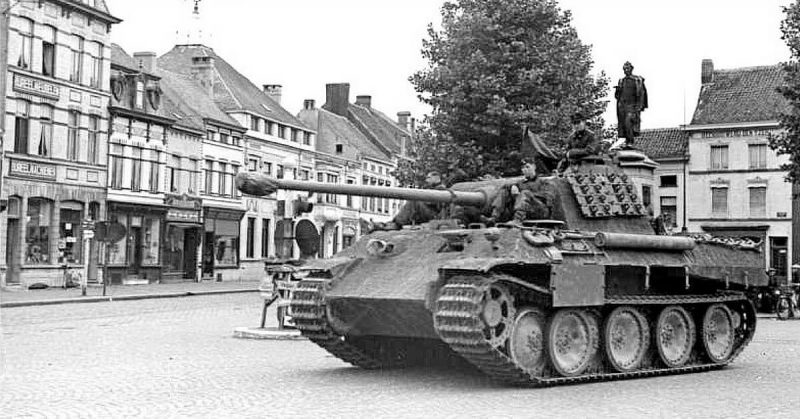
column 667, row 195
column 56, row 121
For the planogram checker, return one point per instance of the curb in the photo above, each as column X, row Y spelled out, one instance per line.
column 109, row 298
column 269, row 333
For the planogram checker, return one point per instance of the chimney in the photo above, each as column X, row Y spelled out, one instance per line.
column 364, row 100
column 402, row 119
column 203, row 72
column 707, row 71
column 146, row 60
column 308, row 104
column 274, row 91
column 337, row 98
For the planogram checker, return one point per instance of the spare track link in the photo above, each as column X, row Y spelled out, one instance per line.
column 458, row 322
column 308, row 312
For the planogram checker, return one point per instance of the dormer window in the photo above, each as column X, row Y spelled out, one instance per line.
column 139, row 99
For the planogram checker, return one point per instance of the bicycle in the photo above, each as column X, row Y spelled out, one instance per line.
column 787, row 305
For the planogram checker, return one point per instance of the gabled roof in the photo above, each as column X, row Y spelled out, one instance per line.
column 120, row 58
column 186, row 101
column 333, row 129
column 378, row 127
column 663, row 143
column 741, row 95
column 232, row 90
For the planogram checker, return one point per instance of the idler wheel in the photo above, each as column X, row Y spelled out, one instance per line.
column 675, row 336
column 627, row 337
column 527, row 342
column 498, row 314
column 718, row 333
column 573, row 341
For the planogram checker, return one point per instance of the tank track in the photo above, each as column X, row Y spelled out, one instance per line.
column 308, row 311
column 458, row 322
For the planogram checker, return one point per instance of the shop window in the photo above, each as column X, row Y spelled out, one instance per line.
column 72, row 135
column 174, row 251
column 46, row 130
column 250, row 251
column 76, row 68
column 48, row 51
column 669, row 210
column 69, row 240
column 150, row 241
column 22, row 127
column 37, row 231
column 226, row 242
column 116, row 250
column 94, row 126
column 25, row 42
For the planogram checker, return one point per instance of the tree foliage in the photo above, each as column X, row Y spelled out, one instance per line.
column 497, row 66
column 788, row 141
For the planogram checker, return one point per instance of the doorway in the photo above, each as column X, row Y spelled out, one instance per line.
column 208, row 255
column 135, row 243
column 13, row 252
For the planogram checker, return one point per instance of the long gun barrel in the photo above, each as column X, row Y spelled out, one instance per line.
column 259, row 185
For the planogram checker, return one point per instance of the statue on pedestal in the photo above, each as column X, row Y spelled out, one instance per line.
column 631, row 96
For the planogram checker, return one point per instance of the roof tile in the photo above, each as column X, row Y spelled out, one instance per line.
column 663, row 143
column 741, row 95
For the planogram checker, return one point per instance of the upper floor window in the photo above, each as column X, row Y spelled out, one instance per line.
column 93, row 143
column 669, row 181
column 22, row 127
column 72, row 135
column 46, row 135
column 48, row 51
column 76, row 67
column 96, row 65
column 758, row 202
column 254, row 123
column 719, row 201
column 25, row 36
column 252, row 165
column 282, row 131
column 307, row 138
column 719, row 157
column 139, row 99
column 294, row 134
column 757, row 156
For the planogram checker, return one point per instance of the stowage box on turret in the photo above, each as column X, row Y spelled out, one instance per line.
column 589, row 296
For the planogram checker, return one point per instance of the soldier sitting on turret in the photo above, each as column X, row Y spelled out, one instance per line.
column 533, row 198
column 582, row 143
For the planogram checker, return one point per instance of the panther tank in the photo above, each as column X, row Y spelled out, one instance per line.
column 590, row 295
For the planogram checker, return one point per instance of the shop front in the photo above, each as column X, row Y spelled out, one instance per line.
column 182, row 237
column 136, row 258
column 44, row 231
column 221, row 244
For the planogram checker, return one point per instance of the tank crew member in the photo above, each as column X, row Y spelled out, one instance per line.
column 417, row 212
column 581, row 143
column 530, row 199
column 631, row 96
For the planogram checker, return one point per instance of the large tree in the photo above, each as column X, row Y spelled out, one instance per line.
column 497, row 66
column 788, row 141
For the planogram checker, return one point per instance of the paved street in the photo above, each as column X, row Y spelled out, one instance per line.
column 177, row 358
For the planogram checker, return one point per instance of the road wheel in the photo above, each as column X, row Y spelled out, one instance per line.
column 718, row 333
column 527, row 341
column 675, row 336
column 627, row 337
column 572, row 341
column 498, row 315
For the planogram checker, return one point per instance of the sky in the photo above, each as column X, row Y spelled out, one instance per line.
column 375, row 44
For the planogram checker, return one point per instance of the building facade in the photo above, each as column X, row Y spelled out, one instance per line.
column 667, row 195
column 736, row 185
column 55, row 153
